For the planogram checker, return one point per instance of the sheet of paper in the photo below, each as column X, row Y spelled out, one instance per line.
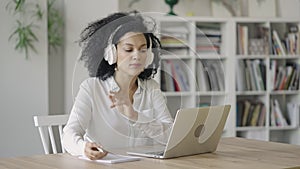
column 113, row 158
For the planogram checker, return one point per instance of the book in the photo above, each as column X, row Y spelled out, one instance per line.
column 247, row 76
column 209, row 32
column 242, row 39
column 293, row 114
column 289, row 73
column 257, row 75
column 279, row 117
column 295, row 83
column 177, row 29
column 251, row 73
column 273, row 74
column 272, row 114
column 240, row 76
column 218, row 67
column 212, row 74
column 181, row 75
column 255, row 115
column 167, row 74
column 247, row 106
column 279, row 77
column 250, row 113
column 111, row 158
column 262, row 116
column 201, row 77
column 293, row 78
column 277, row 41
column 262, row 68
column 175, row 77
column 239, row 116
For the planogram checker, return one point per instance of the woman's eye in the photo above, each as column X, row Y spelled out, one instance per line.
column 128, row 50
column 143, row 50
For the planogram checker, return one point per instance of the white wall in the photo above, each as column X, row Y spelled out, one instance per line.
column 33, row 87
column 23, row 90
column 56, row 71
column 78, row 14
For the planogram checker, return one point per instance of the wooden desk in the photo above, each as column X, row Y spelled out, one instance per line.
column 231, row 153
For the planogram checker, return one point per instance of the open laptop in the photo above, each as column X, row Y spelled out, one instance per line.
column 195, row 131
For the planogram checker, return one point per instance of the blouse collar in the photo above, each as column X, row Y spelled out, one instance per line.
column 114, row 87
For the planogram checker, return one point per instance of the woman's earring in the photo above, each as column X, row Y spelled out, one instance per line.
column 116, row 68
column 153, row 72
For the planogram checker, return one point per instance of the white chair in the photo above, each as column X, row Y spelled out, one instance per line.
column 49, row 122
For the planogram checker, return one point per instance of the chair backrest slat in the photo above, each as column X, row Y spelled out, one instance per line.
column 52, row 140
column 49, row 122
column 43, row 138
column 60, row 130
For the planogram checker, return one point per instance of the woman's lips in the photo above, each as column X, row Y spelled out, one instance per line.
column 135, row 65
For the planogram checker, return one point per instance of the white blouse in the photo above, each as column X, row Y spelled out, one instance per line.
column 92, row 118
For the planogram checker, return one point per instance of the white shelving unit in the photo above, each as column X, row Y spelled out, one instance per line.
column 227, row 58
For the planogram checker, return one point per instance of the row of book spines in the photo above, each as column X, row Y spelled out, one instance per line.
column 289, row 45
column 210, row 76
column 292, row 43
column 281, row 77
column 167, row 41
column 251, row 75
column 173, row 76
column 211, row 36
column 250, row 113
column 284, row 77
column 279, row 118
column 171, row 38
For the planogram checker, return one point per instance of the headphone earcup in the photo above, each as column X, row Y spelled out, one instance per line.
column 150, row 57
column 110, row 54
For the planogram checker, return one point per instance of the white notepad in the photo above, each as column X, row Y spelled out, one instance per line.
column 113, row 158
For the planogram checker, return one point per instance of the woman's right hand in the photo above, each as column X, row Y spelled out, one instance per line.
column 91, row 150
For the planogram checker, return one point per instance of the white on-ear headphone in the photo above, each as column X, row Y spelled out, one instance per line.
column 110, row 52
column 150, row 54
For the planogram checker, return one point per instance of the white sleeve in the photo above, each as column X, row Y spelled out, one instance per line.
column 157, row 122
column 78, row 121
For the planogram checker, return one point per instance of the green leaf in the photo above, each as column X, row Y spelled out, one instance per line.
column 31, row 34
column 19, row 4
column 39, row 13
column 32, row 47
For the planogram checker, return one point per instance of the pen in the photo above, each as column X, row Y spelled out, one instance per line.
column 99, row 149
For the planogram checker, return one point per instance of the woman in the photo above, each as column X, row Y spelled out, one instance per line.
column 120, row 104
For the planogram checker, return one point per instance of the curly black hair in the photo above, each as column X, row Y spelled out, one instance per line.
column 94, row 39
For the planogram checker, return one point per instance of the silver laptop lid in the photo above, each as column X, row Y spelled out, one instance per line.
column 196, row 130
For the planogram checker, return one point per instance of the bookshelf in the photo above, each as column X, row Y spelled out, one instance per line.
column 237, row 61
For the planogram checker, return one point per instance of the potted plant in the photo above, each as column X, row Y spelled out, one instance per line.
column 24, row 32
